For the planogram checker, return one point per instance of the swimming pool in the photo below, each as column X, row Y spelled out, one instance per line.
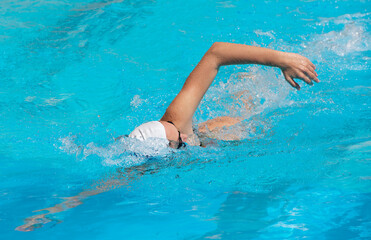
column 75, row 75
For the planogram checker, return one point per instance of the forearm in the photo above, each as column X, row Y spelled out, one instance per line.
column 230, row 53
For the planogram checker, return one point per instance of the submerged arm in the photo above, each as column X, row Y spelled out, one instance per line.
column 184, row 105
column 113, row 182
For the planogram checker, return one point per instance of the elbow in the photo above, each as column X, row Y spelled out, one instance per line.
column 215, row 52
column 215, row 49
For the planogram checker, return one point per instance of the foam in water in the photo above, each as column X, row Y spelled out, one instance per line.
column 246, row 94
column 353, row 38
column 346, row 43
column 125, row 152
column 345, row 19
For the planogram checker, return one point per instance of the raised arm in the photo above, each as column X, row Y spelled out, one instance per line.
column 184, row 105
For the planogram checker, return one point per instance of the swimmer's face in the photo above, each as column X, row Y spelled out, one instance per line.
column 176, row 139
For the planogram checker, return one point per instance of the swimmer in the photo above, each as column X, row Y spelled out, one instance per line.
column 176, row 124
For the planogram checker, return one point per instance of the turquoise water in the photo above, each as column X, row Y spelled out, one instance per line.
column 77, row 74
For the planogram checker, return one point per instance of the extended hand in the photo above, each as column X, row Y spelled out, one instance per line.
column 296, row 66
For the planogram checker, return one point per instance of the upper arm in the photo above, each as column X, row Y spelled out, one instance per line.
column 184, row 105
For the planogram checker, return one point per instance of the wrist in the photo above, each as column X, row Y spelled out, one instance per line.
column 280, row 59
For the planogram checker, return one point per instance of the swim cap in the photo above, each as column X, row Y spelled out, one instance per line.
column 153, row 129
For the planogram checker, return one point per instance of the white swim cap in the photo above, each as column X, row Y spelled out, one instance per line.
column 153, row 129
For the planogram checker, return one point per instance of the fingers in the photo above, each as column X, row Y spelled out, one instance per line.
column 291, row 81
column 302, row 69
column 310, row 63
column 312, row 75
column 312, row 68
column 314, row 78
column 309, row 69
column 305, row 78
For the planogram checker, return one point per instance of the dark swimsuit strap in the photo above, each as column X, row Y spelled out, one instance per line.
column 194, row 130
column 181, row 143
column 172, row 123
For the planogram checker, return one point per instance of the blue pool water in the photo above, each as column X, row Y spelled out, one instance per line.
column 75, row 74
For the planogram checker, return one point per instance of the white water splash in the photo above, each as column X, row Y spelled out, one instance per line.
column 354, row 37
column 269, row 34
column 136, row 101
column 345, row 19
column 247, row 93
column 126, row 152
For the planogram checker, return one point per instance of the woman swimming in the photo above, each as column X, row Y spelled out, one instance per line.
column 176, row 123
